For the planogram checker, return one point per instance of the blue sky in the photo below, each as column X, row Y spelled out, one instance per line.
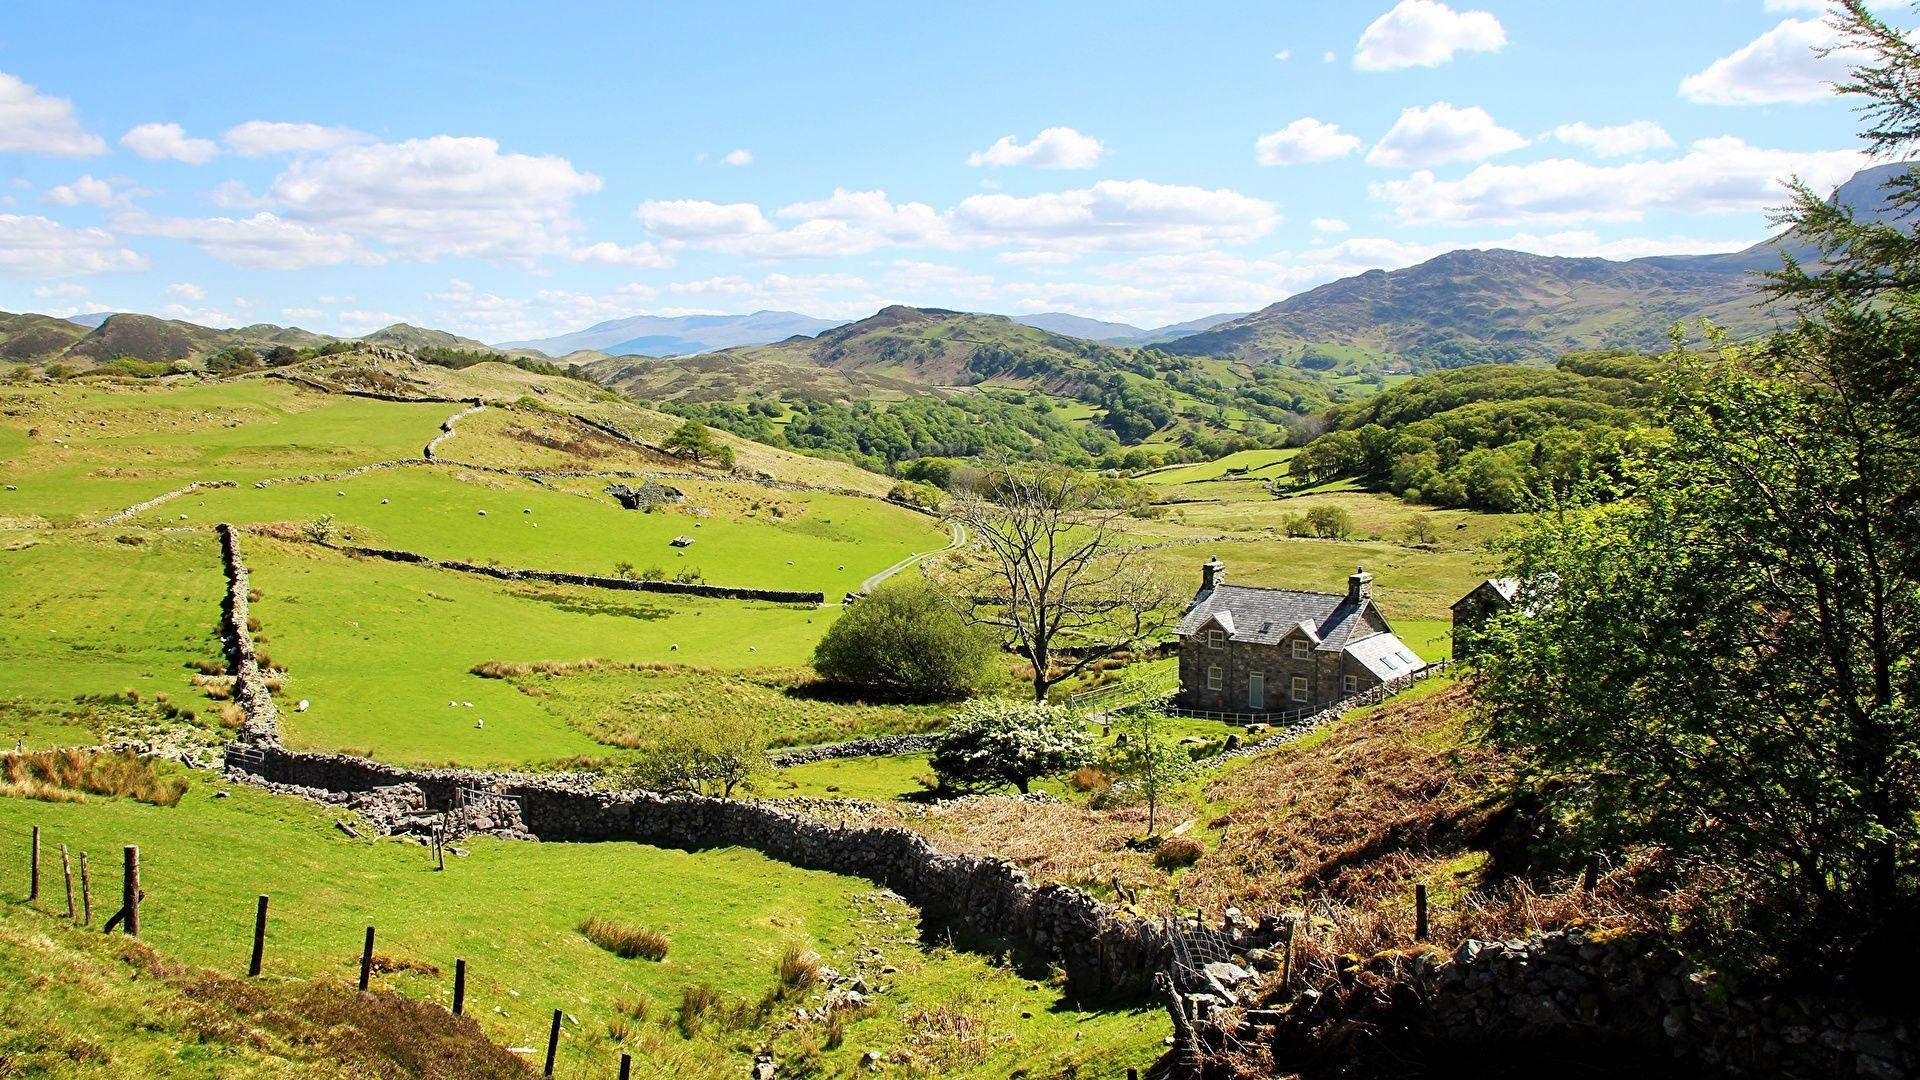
column 509, row 172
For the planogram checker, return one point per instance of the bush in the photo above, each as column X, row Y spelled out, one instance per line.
column 1330, row 522
column 907, row 640
column 1178, row 852
column 623, row 940
column 996, row 741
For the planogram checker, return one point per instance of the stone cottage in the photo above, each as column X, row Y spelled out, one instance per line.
column 1482, row 602
column 1253, row 651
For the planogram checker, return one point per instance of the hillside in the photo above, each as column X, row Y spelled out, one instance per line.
column 656, row 335
column 42, row 339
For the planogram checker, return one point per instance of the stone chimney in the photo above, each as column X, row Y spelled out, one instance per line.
column 1359, row 585
column 1212, row 572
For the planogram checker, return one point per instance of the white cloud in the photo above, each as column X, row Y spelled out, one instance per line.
column 262, row 242
column 1779, row 66
column 1716, row 175
column 845, row 223
column 1035, row 258
column 1283, row 55
column 161, row 142
column 186, row 290
column 1054, row 148
column 1617, row 140
column 85, row 191
column 1329, row 56
column 645, row 255
column 1440, row 133
column 259, row 138
column 366, row 322
column 741, row 156
column 38, row 247
column 1117, row 215
column 1425, row 33
column 1305, row 140
column 694, row 220
column 301, row 312
column 1330, row 225
column 34, row 123
column 66, row 290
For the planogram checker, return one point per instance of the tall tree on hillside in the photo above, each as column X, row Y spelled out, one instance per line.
column 1723, row 667
column 1058, row 576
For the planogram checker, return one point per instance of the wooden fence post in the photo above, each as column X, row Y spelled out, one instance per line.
column 1590, row 877
column 626, row 1067
column 1286, row 962
column 1419, row 912
column 553, row 1043
column 259, row 938
column 86, row 894
column 366, row 961
column 459, row 986
column 130, row 890
column 66, row 871
column 33, row 888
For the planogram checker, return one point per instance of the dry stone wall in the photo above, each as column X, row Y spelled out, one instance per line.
column 878, row 746
column 447, row 428
column 137, row 509
column 261, row 723
column 722, row 592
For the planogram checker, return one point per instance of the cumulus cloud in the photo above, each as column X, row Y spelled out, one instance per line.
column 1440, row 133
column 35, row 123
column 185, row 290
column 1305, row 140
column 1780, row 66
column 259, row 138
column 645, row 255
column 1617, row 140
column 741, row 156
column 264, row 241
column 845, row 223
column 1425, row 33
column 162, row 142
column 1330, row 225
column 1054, row 148
column 694, row 220
column 1283, row 55
column 66, row 290
column 37, row 247
column 1716, row 175
column 85, row 191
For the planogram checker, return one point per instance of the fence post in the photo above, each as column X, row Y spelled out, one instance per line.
column 33, row 888
column 459, row 986
column 366, row 961
column 1286, row 962
column 66, row 871
column 553, row 1043
column 1419, row 912
column 86, row 894
column 259, row 938
column 130, row 890
column 626, row 1067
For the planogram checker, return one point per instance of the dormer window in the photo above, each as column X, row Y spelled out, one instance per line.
column 1216, row 639
column 1302, row 649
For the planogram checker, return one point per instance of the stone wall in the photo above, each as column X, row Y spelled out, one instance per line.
column 878, row 746
column 722, row 592
column 137, row 509
column 446, row 429
column 261, row 725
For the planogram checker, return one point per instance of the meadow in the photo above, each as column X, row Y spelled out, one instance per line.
column 511, row 910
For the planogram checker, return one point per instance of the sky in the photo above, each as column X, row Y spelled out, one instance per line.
column 509, row 172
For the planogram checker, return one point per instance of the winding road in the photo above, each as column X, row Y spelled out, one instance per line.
column 959, row 541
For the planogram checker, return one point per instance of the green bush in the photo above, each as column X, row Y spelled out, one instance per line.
column 996, row 741
column 907, row 640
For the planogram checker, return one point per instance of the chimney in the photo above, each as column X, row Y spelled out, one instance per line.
column 1359, row 585
column 1212, row 572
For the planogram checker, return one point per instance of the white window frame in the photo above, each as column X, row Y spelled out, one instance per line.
column 1349, row 684
column 1216, row 678
column 1302, row 688
column 1302, row 649
column 1216, row 638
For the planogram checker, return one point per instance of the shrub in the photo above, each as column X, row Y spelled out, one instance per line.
column 905, row 639
column 1330, row 522
column 1090, row 778
column 319, row 530
column 1178, row 852
column 995, row 741
column 696, row 1002
column 623, row 940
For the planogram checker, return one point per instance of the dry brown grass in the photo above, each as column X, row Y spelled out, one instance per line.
column 1178, row 852
column 624, row 940
column 799, row 968
column 73, row 775
column 1055, row 841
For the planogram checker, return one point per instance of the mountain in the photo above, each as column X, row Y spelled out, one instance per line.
column 92, row 319
column 1179, row 330
column 659, row 335
column 410, row 338
column 32, row 338
column 1059, row 322
column 147, row 338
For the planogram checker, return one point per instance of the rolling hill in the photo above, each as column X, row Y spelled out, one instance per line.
column 656, row 335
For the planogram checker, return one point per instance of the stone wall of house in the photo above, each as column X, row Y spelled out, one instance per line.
column 1619, row 994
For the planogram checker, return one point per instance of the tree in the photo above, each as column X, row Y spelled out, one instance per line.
column 319, row 530
column 233, row 358
column 907, row 639
column 1057, row 576
column 704, row 756
column 1421, row 532
column 995, row 741
column 695, row 441
column 1150, row 758
column 1330, row 522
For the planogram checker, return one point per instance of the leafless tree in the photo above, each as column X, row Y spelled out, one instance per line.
column 1058, row 574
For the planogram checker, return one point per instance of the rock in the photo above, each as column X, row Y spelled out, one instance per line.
column 870, row 1061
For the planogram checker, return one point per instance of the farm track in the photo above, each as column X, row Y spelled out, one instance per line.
column 959, row 541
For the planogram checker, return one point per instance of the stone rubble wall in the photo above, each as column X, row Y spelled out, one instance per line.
column 261, row 724
column 1572, row 988
column 722, row 592
column 447, row 429
column 878, row 746
column 137, row 509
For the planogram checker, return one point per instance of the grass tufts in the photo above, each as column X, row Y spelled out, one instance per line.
column 72, row 775
column 623, row 940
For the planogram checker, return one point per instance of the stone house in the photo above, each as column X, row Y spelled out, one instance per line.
column 1481, row 603
column 1254, row 651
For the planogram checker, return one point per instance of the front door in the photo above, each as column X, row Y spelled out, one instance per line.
column 1256, row 692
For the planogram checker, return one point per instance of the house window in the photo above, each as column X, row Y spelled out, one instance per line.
column 1300, row 691
column 1216, row 639
column 1349, row 684
column 1214, row 678
column 1302, row 649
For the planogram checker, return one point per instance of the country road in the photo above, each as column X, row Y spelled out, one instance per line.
column 959, row 541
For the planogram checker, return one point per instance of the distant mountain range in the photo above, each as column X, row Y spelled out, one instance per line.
column 1059, row 322
column 684, row 335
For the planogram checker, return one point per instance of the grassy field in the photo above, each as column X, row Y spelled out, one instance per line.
column 1260, row 465
column 744, row 534
column 510, row 909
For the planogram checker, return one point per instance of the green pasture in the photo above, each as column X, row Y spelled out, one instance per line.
column 1257, row 464
column 510, row 909
column 749, row 536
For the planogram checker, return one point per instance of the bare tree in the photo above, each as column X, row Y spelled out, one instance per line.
column 1059, row 576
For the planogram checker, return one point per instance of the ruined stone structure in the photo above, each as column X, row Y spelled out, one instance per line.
column 1482, row 602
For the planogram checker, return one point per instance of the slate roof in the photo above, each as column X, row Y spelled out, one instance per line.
column 1507, row 588
column 1266, row 616
column 1386, row 656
